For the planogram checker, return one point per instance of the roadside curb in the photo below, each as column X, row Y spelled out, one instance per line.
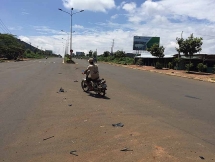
column 170, row 74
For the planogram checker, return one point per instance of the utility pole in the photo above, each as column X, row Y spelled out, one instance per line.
column 112, row 47
column 179, row 54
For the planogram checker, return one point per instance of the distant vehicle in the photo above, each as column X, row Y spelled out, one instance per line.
column 46, row 57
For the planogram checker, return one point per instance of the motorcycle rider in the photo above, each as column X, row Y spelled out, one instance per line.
column 92, row 72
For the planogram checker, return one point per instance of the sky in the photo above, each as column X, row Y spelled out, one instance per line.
column 40, row 22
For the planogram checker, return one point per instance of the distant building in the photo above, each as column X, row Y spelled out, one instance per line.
column 49, row 52
column 80, row 54
column 132, row 55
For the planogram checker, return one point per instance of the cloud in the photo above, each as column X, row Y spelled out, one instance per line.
column 129, row 7
column 199, row 9
column 151, row 18
column 24, row 13
column 78, row 27
column 24, row 38
column 46, row 29
column 114, row 16
column 16, row 28
column 121, row 5
column 90, row 5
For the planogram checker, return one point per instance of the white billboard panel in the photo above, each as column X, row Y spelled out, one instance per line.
column 142, row 42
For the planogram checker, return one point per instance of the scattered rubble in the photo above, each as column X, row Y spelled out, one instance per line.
column 73, row 152
column 61, row 90
column 126, row 149
column 47, row 138
column 118, row 125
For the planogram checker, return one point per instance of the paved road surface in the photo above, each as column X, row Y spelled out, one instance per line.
column 166, row 118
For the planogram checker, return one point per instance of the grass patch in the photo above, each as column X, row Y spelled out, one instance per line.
column 68, row 60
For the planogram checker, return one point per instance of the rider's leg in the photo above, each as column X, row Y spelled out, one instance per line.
column 89, row 83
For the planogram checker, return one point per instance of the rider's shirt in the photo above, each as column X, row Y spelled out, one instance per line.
column 94, row 72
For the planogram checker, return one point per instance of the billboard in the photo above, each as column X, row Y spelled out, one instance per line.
column 142, row 42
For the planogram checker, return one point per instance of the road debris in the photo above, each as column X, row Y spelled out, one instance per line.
column 126, row 149
column 61, row 90
column 75, row 81
column 73, row 152
column 118, row 125
column 47, row 138
column 202, row 157
column 70, row 105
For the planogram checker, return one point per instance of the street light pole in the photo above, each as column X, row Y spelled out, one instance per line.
column 71, row 14
column 71, row 50
column 68, row 39
column 65, row 46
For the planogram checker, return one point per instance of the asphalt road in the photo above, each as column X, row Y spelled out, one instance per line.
column 166, row 118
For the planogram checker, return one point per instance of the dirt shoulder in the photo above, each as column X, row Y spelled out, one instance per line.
column 178, row 73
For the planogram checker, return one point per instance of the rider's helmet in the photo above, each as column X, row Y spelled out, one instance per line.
column 90, row 60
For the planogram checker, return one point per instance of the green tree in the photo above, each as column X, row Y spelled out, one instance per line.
column 119, row 54
column 201, row 67
column 94, row 54
column 106, row 54
column 190, row 46
column 28, row 51
column 179, row 42
column 10, row 47
column 90, row 53
column 157, row 51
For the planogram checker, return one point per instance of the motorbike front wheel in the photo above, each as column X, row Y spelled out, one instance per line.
column 84, row 86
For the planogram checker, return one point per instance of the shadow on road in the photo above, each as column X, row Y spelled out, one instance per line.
column 98, row 96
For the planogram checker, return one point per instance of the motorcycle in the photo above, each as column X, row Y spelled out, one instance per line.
column 99, row 86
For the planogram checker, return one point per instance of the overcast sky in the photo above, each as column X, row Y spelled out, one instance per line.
column 39, row 22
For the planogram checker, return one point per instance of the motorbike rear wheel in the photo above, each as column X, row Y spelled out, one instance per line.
column 102, row 93
column 84, row 86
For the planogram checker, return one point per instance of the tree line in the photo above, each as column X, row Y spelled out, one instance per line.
column 13, row 48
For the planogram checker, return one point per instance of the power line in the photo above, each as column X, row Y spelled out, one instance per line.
column 4, row 26
column 3, row 29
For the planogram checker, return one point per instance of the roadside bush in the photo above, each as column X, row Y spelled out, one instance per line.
column 201, row 67
column 29, row 54
column 117, row 60
column 139, row 61
column 122, row 62
column 188, row 66
column 158, row 65
column 170, row 65
column 129, row 61
column 214, row 69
